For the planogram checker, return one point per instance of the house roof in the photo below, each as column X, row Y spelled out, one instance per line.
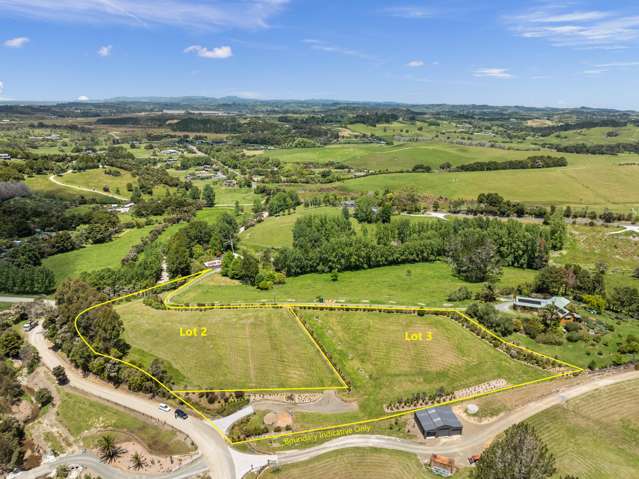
column 437, row 417
column 442, row 461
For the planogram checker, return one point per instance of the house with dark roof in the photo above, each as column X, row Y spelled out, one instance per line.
column 559, row 302
column 438, row 422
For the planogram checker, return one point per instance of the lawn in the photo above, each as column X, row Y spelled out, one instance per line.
column 96, row 179
column 42, row 184
column 595, row 436
column 356, row 463
column 426, row 284
column 277, row 231
column 96, row 256
column 242, row 348
column 372, row 351
column 87, row 418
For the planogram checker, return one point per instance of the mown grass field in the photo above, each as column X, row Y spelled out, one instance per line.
column 96, row 179
column 588, row 180
column 42, row 184
column 427, row 284
column 242, row 349
column 595, row 136
column 87, row 418
column 383, row 366
column 357, row 463
column 402, row 156
column 596, row 184
column 95, row 256
column 595, row 436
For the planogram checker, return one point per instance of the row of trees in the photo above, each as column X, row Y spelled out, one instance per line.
column 539, row 161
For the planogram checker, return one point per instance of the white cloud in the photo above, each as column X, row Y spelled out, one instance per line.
column 1, row 88
column 577, row 29
column 322, row 46
column 618, row 65
column 17, row 42
column 415, row 63
column 501, row 73
column 248, row 14
column 408, row 11
column 594, row 72
column 105, row 51
column 83, row 98
column 217, row 52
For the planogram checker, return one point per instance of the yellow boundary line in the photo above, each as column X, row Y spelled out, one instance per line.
column 291, row 306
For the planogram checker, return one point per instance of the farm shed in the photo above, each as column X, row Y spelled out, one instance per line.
column 438, row 422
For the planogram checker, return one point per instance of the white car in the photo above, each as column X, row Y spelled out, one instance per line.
column 164, row 407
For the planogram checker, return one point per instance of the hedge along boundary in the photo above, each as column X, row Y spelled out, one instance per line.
column 451, row 312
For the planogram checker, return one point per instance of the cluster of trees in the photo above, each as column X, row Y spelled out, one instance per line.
column 142, row 272
column 103, row 328
column 325, row 244
column 282, row 201
column 259, row 131
column 372, row 209
column 249, row 270
column 604, row 149
column 13, row 347
column 539, row 161
column 194, row 240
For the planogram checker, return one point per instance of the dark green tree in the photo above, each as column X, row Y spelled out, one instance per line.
column 519, row 454
column 209, row 196
column 178, row 256
column 474, row 257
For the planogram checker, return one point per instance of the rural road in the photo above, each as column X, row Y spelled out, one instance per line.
column 198, row 466
column 217, row 455
column 462, row 446
column 53, row 179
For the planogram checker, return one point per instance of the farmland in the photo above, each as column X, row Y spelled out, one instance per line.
column 374, row 355
column 594, row 436
column 242, row 349
column 95, row 256
column 412, row 284
column 402, row 156
column 357, row 463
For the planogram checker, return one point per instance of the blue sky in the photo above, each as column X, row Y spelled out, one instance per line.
column 540, row 53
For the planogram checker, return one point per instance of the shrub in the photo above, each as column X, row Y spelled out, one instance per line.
column 461, row 294
column 570, row 327
column 550, row 337
column 43, row 397
column 573, row 336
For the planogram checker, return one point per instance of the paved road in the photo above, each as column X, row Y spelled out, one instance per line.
column 215, row 451
column 53, row 179
column 466, row 445
column 88, row 460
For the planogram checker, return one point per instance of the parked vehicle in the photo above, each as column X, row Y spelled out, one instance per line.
column 28, row 326
column 473, row 459
column 180, row 414
column 164, row 407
